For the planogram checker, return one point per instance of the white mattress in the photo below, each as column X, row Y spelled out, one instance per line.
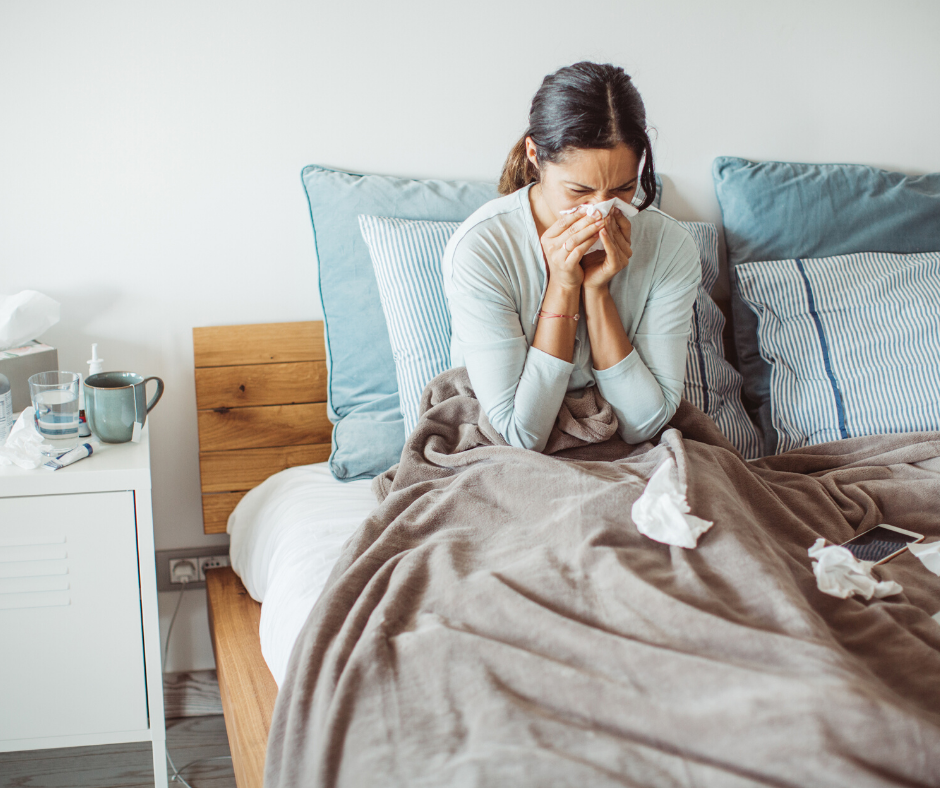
column 286, row 534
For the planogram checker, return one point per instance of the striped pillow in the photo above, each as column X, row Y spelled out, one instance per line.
column 853, row 342
column 711, row 383
column 407, row 257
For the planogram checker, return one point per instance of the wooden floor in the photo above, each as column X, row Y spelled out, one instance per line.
column 192, row 694
column 125, row 765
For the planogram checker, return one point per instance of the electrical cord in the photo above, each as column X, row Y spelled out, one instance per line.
column 179, row 601
column 177, row 775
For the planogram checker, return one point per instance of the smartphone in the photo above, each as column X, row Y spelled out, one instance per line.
column 881, row 543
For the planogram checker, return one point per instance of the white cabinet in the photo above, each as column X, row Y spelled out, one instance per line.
column 73, row 662
column 79, row 629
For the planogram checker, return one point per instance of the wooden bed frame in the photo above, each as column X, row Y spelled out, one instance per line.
column 261, row 402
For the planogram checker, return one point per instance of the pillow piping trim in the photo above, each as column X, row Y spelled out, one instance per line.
column 331, row 413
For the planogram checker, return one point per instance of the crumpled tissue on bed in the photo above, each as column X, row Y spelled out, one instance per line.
column 604, row 208
column 841, row 574
column 23, row 446
column 928, row 554
column 662, row 511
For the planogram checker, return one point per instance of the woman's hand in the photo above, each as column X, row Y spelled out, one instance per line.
column 564, row 245
column 615, row 235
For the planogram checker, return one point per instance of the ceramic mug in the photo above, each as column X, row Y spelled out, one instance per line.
column 115, row 402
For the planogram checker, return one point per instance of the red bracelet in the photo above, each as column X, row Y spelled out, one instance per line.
column 543, row 313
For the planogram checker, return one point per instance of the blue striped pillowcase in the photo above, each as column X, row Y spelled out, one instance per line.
column 853, row 342
column 406, row 256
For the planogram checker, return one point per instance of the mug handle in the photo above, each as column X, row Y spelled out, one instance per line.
column 156, row 397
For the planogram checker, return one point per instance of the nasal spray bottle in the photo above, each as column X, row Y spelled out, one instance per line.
column 95, row 365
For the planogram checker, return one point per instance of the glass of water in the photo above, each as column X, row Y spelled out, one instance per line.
column 55, row 399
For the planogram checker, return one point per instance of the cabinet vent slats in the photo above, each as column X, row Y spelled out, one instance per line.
column 34, row 572
column 35, row 599
column 33, row 568
column 30, row 583
column 32, row 552
column 28, row 539
column 261, row 407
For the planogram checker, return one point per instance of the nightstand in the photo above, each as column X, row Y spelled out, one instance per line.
column 80, row 660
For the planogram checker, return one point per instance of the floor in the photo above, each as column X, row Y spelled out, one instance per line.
column 125, row 765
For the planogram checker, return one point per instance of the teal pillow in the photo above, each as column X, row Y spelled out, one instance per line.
column 363, row 391
column 780, row 211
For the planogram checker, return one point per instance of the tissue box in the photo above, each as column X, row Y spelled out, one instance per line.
column 18, row 363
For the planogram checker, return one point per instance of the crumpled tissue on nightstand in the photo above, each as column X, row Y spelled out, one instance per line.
column 604, row 208
column 841, row 574
column 662, row 511
column 23, row 445
column 928, row 554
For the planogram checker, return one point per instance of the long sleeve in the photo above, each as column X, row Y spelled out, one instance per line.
column 644, row 388
column 520, row 387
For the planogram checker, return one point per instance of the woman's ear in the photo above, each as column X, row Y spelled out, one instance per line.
column 531, row 152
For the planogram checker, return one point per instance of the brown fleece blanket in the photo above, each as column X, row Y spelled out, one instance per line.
column 499, row 621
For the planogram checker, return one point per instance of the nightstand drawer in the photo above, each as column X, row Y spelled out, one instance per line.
column 72, row 648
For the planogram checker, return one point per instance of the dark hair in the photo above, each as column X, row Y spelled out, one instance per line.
column 579, row 107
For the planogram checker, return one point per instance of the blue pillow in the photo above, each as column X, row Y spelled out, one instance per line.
column 407, row 259
column 780, row 210
column 362, row 391
column 853, row 342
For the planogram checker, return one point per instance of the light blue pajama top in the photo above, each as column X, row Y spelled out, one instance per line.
column 495, row 280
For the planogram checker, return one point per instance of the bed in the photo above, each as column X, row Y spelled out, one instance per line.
column 252, row 380
column 250, row 401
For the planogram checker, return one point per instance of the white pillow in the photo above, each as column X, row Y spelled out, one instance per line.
column 406, row 256
column 853, row 342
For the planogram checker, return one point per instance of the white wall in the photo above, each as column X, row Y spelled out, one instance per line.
column 150, row 152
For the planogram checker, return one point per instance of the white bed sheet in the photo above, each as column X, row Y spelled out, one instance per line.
column 286, row 535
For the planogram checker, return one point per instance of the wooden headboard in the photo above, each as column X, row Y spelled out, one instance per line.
column 261, row 407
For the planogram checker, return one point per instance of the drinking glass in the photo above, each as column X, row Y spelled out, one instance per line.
column 55, row 399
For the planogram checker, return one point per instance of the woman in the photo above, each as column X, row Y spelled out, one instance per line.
column 534, row 315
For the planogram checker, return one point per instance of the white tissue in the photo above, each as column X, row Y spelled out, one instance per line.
column 928, row 554
column 24, row 445
column 841, row 574
column 604, row 208
column 661, row 512
column 24, row 316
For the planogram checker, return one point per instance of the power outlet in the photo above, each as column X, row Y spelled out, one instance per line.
column 211, row 562
column 184, row 569
column 173, row 564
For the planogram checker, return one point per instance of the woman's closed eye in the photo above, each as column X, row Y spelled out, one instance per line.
column 585, row 192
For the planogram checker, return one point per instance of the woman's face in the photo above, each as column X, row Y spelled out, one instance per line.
column 587, row 175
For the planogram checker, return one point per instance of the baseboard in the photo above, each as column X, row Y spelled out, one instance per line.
column 191, row 694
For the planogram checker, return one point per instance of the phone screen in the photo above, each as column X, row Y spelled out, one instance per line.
column 878, row 543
